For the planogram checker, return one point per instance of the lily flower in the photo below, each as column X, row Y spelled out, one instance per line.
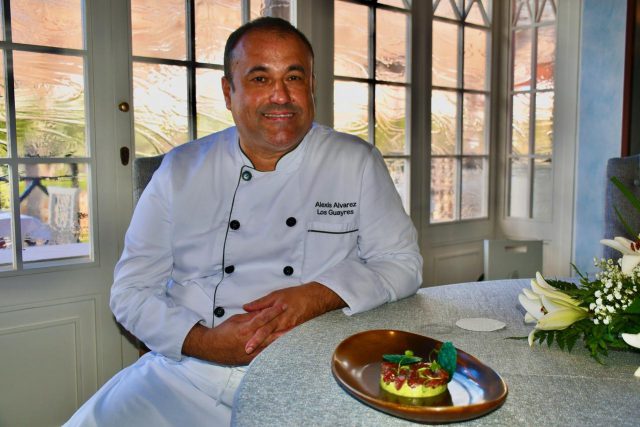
column 550, row 308
column 630, row 252
column 634, row 341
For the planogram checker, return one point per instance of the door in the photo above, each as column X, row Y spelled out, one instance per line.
column 60, row 225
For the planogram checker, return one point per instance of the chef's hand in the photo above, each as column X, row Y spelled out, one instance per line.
column 303, row 302
column 226, row 344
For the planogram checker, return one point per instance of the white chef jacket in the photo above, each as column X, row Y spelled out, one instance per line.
column 211, row 233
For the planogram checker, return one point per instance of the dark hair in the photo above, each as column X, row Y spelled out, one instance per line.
column 266, row 23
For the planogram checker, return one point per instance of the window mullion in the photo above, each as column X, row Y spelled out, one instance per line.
column 191, row 70
column 372, row 76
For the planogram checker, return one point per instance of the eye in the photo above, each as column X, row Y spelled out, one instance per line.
column 259, row 79
column 295, row 78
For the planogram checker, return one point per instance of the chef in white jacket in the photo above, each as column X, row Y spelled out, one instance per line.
column 246, row 233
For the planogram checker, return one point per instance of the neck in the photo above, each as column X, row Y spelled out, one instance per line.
column 264, row 160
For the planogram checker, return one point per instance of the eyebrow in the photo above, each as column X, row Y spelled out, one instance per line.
column 262, row 68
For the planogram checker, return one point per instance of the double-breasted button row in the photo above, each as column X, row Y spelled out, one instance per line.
column 291, row 221
column 246, row 175
column 288, row 270
column 234, row 224
column 229, row 269
column 218, row 312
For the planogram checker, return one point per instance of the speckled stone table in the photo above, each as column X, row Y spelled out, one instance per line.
column 291, row 384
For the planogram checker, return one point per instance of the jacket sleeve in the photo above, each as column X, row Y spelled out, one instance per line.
column 388, row 265
column 138, row 295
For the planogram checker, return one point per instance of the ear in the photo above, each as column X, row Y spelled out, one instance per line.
column 226, row 91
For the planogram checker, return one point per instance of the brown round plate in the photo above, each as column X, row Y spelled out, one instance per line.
column 475, row 389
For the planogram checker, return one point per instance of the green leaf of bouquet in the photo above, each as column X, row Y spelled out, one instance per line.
column 634, row 308
column 627, row 193
column 630, row 231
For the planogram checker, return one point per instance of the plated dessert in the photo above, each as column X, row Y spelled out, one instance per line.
column 408, row 375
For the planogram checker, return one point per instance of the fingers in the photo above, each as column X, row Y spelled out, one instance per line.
column 264, row 327
column 259, row 304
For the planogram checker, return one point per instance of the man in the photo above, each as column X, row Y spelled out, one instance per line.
column 244, row 234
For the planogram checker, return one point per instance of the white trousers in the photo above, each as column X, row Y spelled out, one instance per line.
column 157, row 391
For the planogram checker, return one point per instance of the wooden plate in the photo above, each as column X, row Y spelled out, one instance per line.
column 474, row 391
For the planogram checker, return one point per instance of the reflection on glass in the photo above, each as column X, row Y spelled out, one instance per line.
column 4, row 148
column 544, row 123
column 351, row 37
column 546, row 57
column 522, row 59
column 256, row 8
column 474, row 192
column 443, row 189
column 547, row 11
column 399, row 171
column 446, row 9
column 444, row 65
column 160, row 107
column 478, row 14
column 215, row 20
column 212, row 112
column 55, row 215
column 6, row 221
column 475, row 59
column 520, row 123
column 523, row 12
column 57, row 23
column 391, row 46
column 391, row 121
column 542, row 189
column 473, row 124
column 404, row 4
column 444, row 113
column 50, row 116
column 277, row 8
column 519, row 188
column 159, row 28
column 350, row 108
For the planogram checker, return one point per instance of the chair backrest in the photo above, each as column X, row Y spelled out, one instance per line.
column 63, row 214
column 512, row 259
column 627, row 170
column 143, row 169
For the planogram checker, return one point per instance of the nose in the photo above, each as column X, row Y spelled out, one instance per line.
column 280, row 94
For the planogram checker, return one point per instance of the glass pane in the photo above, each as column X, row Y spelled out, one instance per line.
column 6, row 221
column 159, row 28
column 350, row 108
column 522, row 15
column 4, row 147
column 445, row 55
column 399, row 171
column 54, row 211
column 391, row 46
column 160, row 108
column 50, row 116
column 391, row 114
column 476, row 15
column 256, row 8
column 351, row 40
column 212, row 112
column 278, row 8
column 520, row 124
column 519, row 188
column 475, row 59
column 396, row 3
column 544, row 123
column 522, row 59
column 546, row 57
column 446, row 9
column 475, row 191
column 215, row 20
column 444, row 113
column 542, row 189
column 547, row 11
column 56, row 23
column 443, row 189
column 473, row 124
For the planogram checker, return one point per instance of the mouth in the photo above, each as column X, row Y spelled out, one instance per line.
column 278, row 116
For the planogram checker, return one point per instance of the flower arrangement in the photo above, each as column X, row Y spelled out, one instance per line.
column 604, row 312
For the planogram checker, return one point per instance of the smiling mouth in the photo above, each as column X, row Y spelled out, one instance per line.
column 278, row 115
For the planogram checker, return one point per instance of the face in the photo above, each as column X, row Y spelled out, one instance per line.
column 272, row 95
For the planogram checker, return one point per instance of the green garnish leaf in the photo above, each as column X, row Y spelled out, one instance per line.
column 447, row 358
column 402, row 359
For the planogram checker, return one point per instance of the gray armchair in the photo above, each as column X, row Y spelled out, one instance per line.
column 627, row 170
column 143, row 169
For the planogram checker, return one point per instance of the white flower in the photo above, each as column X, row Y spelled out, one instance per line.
column 550, row 308
column 630, row 256
column 634, row 341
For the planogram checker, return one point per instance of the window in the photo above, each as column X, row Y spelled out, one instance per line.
column 178, row 48
column 532, row 59
column 372, row 81
column 45, row 151
column 460, row 106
